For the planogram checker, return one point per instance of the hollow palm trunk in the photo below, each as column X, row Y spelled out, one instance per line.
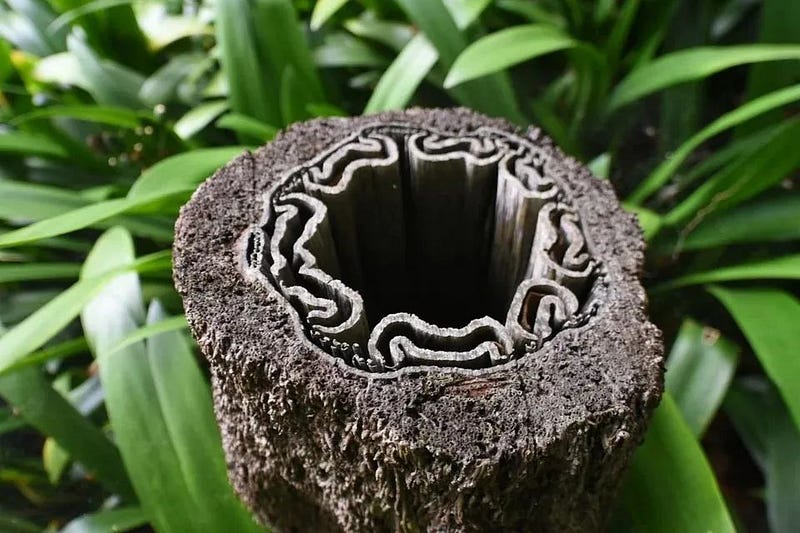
column 420, row 320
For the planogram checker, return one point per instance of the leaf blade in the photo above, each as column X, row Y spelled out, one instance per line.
column 685, row 496
column 400, row 81
column 52, row 414
column 761, row 105
column 692, row 64
column 769, row 318
column 700, row 368
column 506, row 48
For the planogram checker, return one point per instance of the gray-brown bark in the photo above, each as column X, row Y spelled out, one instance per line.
column 415, row 341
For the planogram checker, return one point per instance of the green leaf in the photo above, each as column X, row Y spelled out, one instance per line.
column 38, row 271
column 293, row 98
column 156, row 394
column 83, row 217
column 700, row 367
column 198, row 118
column 492, row 95
column 769, row 319
column 764, row 424
column 323, row 10
column 25, row 202
column 778, row 24
column 179, row 174
column 247, row 126
column 506, row 48
column 17, row 29
column 165, row 325
column 465, row 12
column 786, row 267
column 29, row 145
column 70, row 221
column 764, row 220
column 693, row 64
column 283, row 44
column 182, row 172
column 659, row 177
column 10, row 420
column 237, row 40
column 342, row 50
column 670, row 486
column 112, row 116
column 162, row 85
column 62, row 68
column 400, row 81
column 61, row 350
column 750, row 174
column 115, row 520
column 108, row 82
column 31, row 201
column 619, row 35
column 46, row 410
column 66, row 19
column 55, row 460
column 44, row 323
column 394, row 35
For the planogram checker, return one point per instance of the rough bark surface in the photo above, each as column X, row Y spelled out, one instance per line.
column 312, row 444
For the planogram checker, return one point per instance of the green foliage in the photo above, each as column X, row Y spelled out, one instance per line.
column 113, row 112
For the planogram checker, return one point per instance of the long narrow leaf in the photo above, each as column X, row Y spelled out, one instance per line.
column 323, row 10
column 283, row 44
column 48, row 411
column 787, row 267
column 198, row 118
column 769, row 319
column 764, row 220
column 670, row 486
column 29, row 145
column 164, row 325
column 37, row 271
column 661, row 175
column 744, row 178
column 115, row 520
column 506, row 48
column 179, row 174
column 766, row 427
column 492, row 94
column 699, row 370
column 182, row 172
column 401, row 80
column 112, row 116
column 693, row 64
column 156, row 394
column 109, row 83
column 247, row 126
column 236, row 37
column 58, row 351
column 43, row 324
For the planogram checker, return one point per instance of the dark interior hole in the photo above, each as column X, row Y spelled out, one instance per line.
column 430, row 256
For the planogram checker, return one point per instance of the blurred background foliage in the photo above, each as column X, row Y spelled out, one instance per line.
column 114, row 110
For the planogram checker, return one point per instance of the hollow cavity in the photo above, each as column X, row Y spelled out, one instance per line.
column 402, row 247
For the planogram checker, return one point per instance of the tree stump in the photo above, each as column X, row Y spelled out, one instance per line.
column 420, row 321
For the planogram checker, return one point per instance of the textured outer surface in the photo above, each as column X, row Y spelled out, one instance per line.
column 538, row 444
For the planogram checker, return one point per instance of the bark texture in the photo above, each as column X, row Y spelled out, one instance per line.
column 536, row 444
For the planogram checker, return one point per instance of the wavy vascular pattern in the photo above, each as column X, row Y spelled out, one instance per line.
column 396, row 222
